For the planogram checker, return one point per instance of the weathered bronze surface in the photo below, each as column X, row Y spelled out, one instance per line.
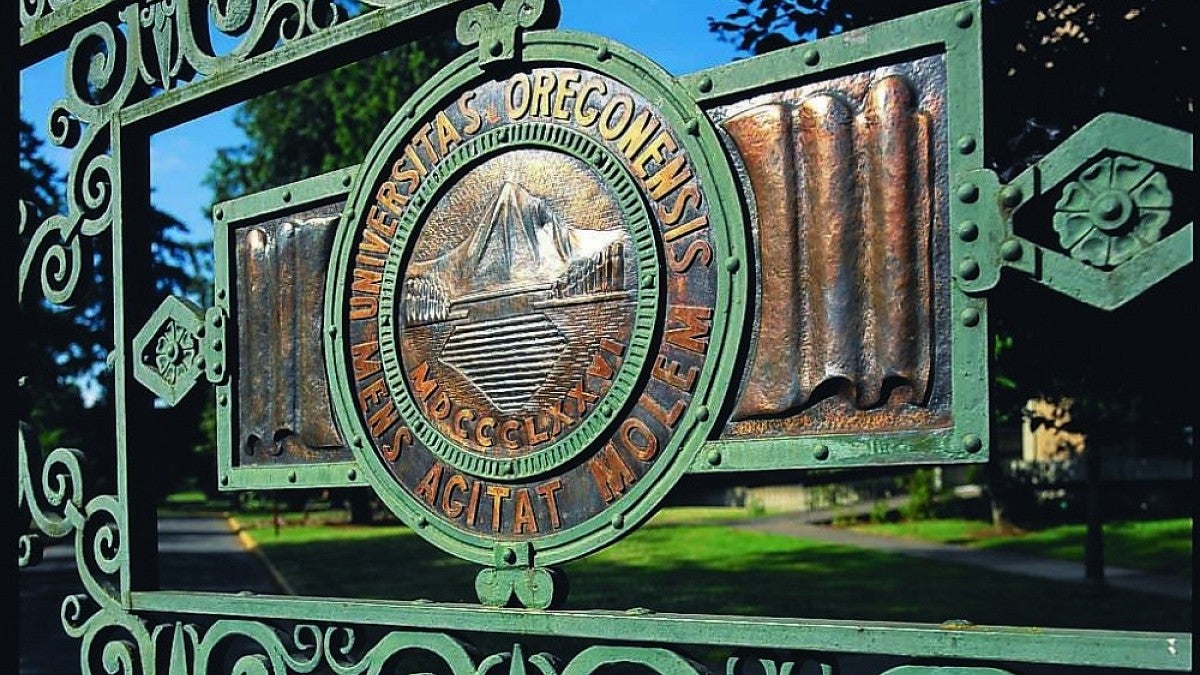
column 529, row 302
column 512, row 291
column 284, row 413
column 849, row 194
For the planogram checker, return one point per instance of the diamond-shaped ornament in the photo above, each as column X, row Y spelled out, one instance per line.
column 168, row 351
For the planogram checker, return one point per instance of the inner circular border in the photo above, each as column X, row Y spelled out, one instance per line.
column 545, row 136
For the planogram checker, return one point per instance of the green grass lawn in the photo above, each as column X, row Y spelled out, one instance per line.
column 684, row 562
column 1161, row 546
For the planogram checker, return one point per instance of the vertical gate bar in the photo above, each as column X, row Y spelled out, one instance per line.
column 134, row 404
column 9, row 118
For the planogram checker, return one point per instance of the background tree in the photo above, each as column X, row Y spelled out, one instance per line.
column 1049, row 67
column 323, row 123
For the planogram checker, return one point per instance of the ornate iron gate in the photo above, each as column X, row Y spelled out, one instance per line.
column 560, row 280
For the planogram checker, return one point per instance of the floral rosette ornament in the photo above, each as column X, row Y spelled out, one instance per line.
column 174, row 353
column 1117, row 207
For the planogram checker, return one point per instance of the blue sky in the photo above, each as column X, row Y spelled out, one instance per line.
column 672, row 32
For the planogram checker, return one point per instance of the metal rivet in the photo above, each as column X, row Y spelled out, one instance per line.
column 291, row 476
column 602, row 53
column 496, row 49
column 972, row 443
column 1011, row 196
column 217, row 345
column 714, row 457
column 970, row 317
column 821, row 452
column 358, row 441
column 702, row 413
column 964, row 19
column 966, row 144
column 218, row 369
column 968, row 230
column 706, row 85
column 224, row 480
column 732, row 264
column 693, row 127
column 1011, row 250
column 510, row 556
column 618, row 521
column 200, row 363
column 811, row 57
column 346, row 180
column 352, row 475
column 968, row 269
column 222, row 400
column 219, row 213
column 287, row 195
column 968, row 193
column 332, row 330
column 221, row 294
column 422, row 522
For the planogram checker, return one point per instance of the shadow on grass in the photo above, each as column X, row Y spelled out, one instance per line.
column 1161, row 547
column 715, row 570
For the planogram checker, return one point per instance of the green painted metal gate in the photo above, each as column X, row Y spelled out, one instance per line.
column 560, row 281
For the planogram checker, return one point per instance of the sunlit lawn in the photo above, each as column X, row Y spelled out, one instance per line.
column 1161, row 546
column 683, row 562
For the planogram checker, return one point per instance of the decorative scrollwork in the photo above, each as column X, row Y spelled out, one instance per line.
column 532, row 587
column 497, row 31
column 53, row 504
column 259, row 25
column 32, row 10
column 112, row 64
column 1117, row 207
column 112, row 640
column 59, row 257
column 345, row 659
column 57, row 505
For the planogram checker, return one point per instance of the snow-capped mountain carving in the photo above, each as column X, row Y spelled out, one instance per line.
column 520, row 245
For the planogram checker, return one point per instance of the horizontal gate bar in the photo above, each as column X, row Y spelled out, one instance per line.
column 1065, row 646
column 359, row 37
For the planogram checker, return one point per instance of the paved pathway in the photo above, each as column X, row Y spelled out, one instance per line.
column 1013, row 563
column 196, row 554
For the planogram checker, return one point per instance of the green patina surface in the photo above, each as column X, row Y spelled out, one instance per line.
column 162, row 350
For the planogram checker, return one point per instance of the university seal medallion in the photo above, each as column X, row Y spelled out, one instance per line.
column 525, row 309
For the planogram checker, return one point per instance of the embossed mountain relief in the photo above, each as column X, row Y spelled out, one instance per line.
column 845, row 213
column 522, row 257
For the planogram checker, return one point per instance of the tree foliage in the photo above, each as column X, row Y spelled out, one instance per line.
column 323, row 123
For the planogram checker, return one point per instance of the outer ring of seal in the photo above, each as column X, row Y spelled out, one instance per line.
column 700, row 140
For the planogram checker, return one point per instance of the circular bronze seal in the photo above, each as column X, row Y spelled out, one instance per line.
column 525, row 311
